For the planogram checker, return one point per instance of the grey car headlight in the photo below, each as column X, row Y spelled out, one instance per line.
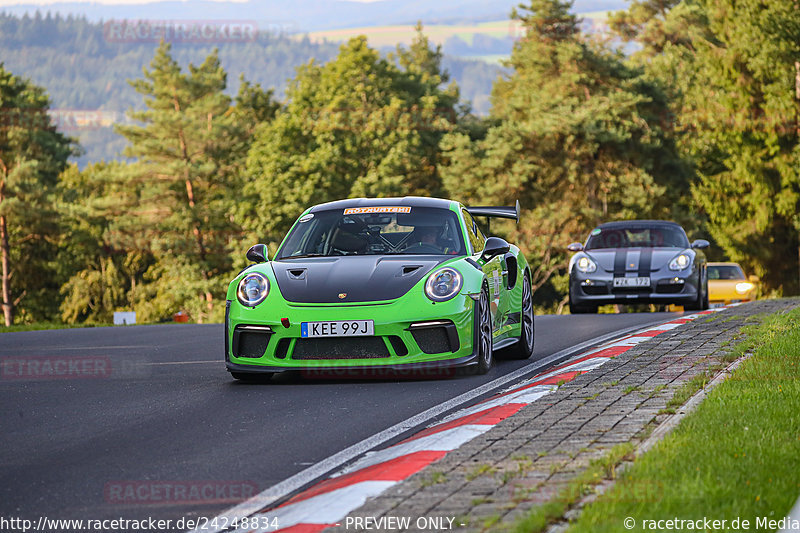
column 585, row 265
column 253, row 289
column 443, row 284
column 680, row 262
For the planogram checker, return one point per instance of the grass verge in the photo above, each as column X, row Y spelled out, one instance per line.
column 600, row 469
column 38, row 326
column 737, row 456
column 686, row 391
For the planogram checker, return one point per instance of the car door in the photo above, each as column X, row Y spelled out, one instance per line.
column 493, row 270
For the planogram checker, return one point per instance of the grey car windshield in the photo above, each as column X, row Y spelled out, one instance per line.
column 640, row 236
column 402, row 230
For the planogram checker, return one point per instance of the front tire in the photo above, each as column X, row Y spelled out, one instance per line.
column 701, row 304
column 484, row 333
column 706, row 304
column 582, row 309
column 578, row 309
column 523, row 349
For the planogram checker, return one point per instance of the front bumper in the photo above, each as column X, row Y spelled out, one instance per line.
column 598, row 288
column 423, row 336
column 728, row 297
column 429, row 369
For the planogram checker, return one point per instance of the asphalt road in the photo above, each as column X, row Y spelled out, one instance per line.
column 149, row 411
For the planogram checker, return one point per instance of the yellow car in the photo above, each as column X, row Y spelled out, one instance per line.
column 727, row 284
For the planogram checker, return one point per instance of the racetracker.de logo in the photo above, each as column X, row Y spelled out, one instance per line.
column 59, row 367
column 47, row 367
column 178, row 492
column 180, row 31
column 362, row 373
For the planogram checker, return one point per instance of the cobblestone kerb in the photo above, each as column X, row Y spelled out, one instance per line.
column 529, row 457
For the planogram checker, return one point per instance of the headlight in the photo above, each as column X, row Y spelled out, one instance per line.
column 253, row 289
column 443, row 284
column 586, row 265
column 680, row 262
column 744, row 288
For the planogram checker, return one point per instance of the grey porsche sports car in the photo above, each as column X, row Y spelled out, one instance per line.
column 637, row 261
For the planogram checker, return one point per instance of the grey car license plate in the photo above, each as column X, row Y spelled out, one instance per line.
column 632, row 282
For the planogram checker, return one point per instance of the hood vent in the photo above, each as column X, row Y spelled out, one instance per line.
column 296, row 273
column 410, row 269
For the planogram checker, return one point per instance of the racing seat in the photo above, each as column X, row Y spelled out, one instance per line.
column 348, row 242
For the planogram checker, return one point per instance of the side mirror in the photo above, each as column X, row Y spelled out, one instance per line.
column 494, row 246
column 753, row 279
column 700, row 244
column 258, row 253
column 575, row 247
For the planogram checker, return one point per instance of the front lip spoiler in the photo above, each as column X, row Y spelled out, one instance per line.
column 467, row 360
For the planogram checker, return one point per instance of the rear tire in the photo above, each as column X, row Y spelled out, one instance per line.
column 252, row 377
column 484, row 333
column 523, row 349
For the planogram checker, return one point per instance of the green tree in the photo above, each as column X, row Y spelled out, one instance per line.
column 103, row 251
column 651, row 24
column 189, row 158
column 32, row 153
column 735, row 81
column 359, row 125
column 579, row 137
column 745, row 107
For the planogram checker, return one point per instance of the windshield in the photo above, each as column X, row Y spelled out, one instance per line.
column 640, row 236
column 725, row 272
column 375, row 231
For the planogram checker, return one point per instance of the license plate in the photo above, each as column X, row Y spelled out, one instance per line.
column 339, row 328
column 631, row 282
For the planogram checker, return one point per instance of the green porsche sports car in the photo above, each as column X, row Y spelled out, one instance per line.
column 389, row 283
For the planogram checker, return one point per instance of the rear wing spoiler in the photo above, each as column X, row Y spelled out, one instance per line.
column 495, row 212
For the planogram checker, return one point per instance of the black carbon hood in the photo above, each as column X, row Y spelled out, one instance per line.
column 363, row 278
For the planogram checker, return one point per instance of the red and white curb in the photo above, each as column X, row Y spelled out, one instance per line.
column 330, row 501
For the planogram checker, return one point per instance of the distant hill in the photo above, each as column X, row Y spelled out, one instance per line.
column 489, row 41
column 85, row 67
column 311, row 15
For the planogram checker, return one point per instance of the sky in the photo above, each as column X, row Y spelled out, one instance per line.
column 113, row 2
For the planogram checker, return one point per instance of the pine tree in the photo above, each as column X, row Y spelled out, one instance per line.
column 579, row 138
column 189, row 155
column 32, row 153
column 356, row 126
column 651, row 24
column 103, row 250
column 734, row 78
